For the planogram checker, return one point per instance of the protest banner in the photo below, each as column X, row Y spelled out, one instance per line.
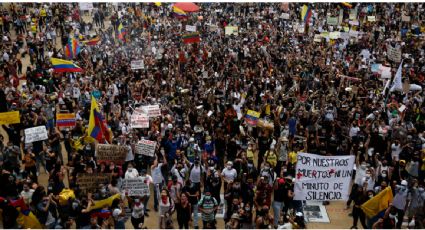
column 229, row 30
column 285, row 16
column 334, row 35
column 137, row 64
column 8, row 118
column 38, row 133
column 317, row 38
column 333, row 21
column 405, row 18
column 64, row 120
column 150, row 110
column 146, row 147
column 139, row 120
column 394, row 53
column 108, row 153
column 86, row 6
column 90, row 182
column 323, row 178
column 135, row 187
column 190, row 28
column 251, row 117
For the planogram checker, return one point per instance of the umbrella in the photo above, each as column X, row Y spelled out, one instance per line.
column 187, row 6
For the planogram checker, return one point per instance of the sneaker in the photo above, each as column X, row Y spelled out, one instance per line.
column 146, row 214
column 148, row 210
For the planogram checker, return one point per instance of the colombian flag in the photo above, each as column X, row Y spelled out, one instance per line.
column 97, row 125
column 191, row 38
column 72, row 48
column 121, row 32
column 97, row 204
column 376, row 207
column 179, row 13
column 92, row 42
column 251, row 117
column 306, row 14
column 63, row 66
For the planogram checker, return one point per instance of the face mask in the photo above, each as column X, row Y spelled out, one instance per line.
column 384, row 175
column 421, row 189
column 247, row 209
column 285, row 170
column 370, row 196
column 267, row 168
column 208, row 142
column 229, row 167
column 367, row 176
column 211, row 168
column 363, row 167
column 250, row 165
column 74, row 205
column 392, row 216
column 103, row 190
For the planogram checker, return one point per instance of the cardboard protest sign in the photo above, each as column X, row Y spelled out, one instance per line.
column 229, row 30
column 150, row 110
column 114, row 153
column 190, row 28
column 394, row 53
column 137, row 64
column 38, row 133
column 251, row 117
column 323, row 178
column 146, row 147
column 91, row 182
column 64, row 120
column 139, row 120
column 8, row 118
column 135, row 187
column 333, row 21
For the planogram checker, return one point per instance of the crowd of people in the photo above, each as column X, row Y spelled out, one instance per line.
column 315, row 94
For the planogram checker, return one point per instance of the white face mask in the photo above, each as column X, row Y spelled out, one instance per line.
column 229, row 167
column 211, row 168
column 267, row 168
column 384, row 175
column 421, row 189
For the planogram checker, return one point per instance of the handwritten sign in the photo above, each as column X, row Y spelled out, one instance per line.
column 285, row 16
column 317, row 38
column 146, row 147
column 38, row 133
column 8, row 118
column 108, row 153
column 137, row 64
column 65, row 120
column 394, row 54
column 139, row 120
column 190, row 28
column 334, row 35
column 135, row 187
column 91, row 182
column 385, row 72
column 150, row 110
column 323, row 178
column 229, row 30
column 86, row 6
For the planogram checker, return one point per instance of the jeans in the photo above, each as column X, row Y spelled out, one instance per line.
column 156, row 191
column 145, row 202
column 195, row 215
column 277, row 207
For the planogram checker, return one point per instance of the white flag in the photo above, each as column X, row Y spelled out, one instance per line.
column 387, row 84
column 397, row 85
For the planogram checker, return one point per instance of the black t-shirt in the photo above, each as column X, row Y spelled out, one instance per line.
column 191, row 191
column 279, row 193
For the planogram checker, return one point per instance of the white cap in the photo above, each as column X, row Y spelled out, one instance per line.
column 170, row 126
column 404, row 182
column 191, row 139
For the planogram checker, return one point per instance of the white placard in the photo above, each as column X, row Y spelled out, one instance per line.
column 150, row 110
column 86, row 6
column 190, row 28
column 38, row 133
column 285, row 16
column 137, row 64
column 323, row 178
column 140, row 121
column 394, row 54
column 146, row 148
column 135, row 187
column 385, row 72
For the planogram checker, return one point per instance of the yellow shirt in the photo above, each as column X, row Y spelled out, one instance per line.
column 43, row 13
column 271, row 158
column 250, row 155
column 293, row 157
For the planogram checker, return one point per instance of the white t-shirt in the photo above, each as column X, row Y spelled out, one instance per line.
column 138, row 211
column 195, row 174
column 354, row 131
column 395, row 151
column 229, row 175
column 131, row 174
column 157, row 174
column 27, row 195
